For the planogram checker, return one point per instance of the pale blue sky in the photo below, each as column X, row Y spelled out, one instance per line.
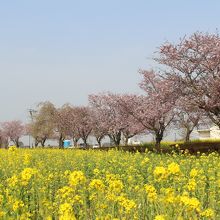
column 64, row 50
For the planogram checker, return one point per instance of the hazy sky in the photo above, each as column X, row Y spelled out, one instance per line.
column 62, row 51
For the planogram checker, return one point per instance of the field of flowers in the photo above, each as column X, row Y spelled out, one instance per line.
column 77, row 184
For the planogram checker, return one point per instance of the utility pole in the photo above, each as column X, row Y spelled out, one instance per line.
column 31, row 111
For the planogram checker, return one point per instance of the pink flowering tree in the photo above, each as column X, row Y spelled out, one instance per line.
column 131, row 126
column 99, row 128
column 194, row 65
column 62, row 122
column 13, row 130
column 82, row 123
column 109, row 118
column 114, row 120
column 159, row 103
column 74, row 122
column 68, row 123
column 155, row 109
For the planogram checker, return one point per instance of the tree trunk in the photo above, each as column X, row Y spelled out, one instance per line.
column 85, row 141
column 126, row 140
column 158, row 138
column 116, row 138
column 99, row 141
column 36, row 142
column 61, row 139
column 75, row 141
column 188, row 132
column 43, row 142
column 17, row 143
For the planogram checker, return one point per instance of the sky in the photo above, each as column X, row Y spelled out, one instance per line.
column 61, row 51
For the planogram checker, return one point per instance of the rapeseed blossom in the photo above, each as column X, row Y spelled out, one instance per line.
column 159, row 217
column 76, row 178
column 26, row 175
column 151, row 192
column 160, row 173
column 173, row 168
column 66, row 212
column 208, row 213
column 127, row 204
column 97, row 184
column 194, row 173
column 191, row 186
column 76, row 184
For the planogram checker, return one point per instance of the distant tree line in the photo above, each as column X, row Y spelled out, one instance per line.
column 182, row 93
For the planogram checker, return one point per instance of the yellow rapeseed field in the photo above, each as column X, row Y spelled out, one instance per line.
column 76, row 184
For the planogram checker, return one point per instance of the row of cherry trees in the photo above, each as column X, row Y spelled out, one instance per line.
column 80, row 122
column 184, row 92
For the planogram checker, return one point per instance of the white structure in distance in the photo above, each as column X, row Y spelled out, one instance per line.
column 209, row 133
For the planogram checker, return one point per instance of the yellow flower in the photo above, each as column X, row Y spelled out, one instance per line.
column 173, row 168
column 26, row 175
column 150, row 188
column 159, row 217
column 12, row 148
column 160, row 173
column 190, row 203
column 208, row 213
column 97, row 184
column 169, row 197
column 2, row 214
column 145, row 161
column 111, row 197
column 115, row 186
column 127, row 204
column 191, row 185
column 66, row 212
column 151, row 193
column 96, row 171
column 25, row 216
column 76, row 178
column 193, row 173
column 17, row 205
column 27, row 159
column 13, row 181
column 65, row 192
column 76, row 199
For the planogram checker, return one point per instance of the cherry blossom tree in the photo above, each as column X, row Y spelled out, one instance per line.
column 155, row 109
column 99, row 129
column 72, row 121
column 83, row 123
column 109, row 118
column 115, row 121
column 68, row 120
column 194, row 64
column 13, row 130
column 131, row 126
column 62, row 121
column 160, row 100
